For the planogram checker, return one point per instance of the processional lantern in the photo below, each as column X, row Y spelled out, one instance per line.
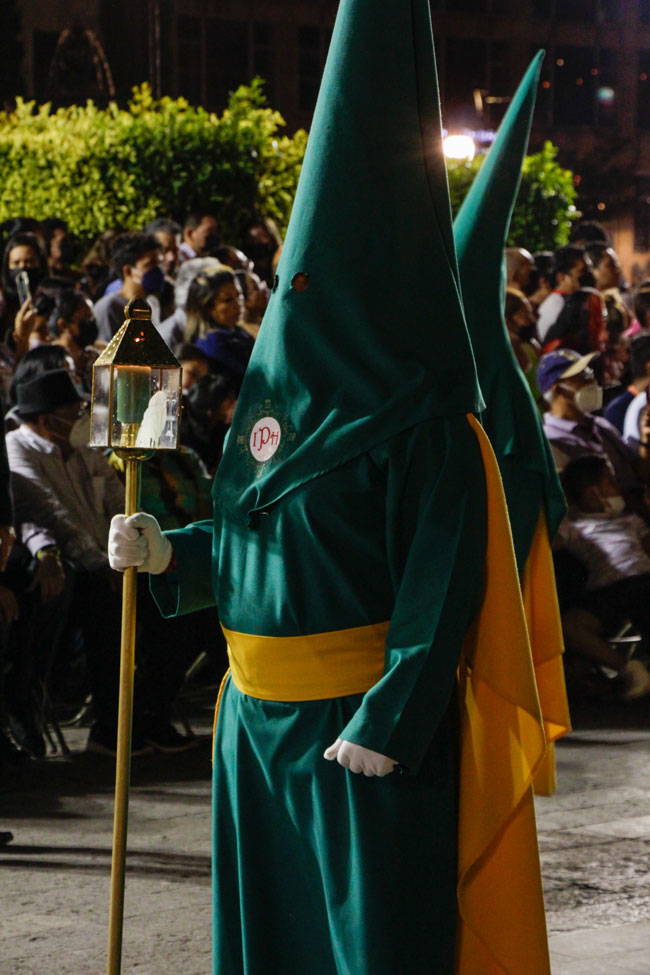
column 136, row 404
column 136, row 388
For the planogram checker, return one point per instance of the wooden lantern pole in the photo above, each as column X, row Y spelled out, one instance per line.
column 136, row 394
column 125, row 720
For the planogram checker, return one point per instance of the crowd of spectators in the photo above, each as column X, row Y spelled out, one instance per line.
column 581, row 337
column 60, row 602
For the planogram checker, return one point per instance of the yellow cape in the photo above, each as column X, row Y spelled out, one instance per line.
column 502, row 926
column 547, row 646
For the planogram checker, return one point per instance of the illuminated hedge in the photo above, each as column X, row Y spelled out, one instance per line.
column 102, row 168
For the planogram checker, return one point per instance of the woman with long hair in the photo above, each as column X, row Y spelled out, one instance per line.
column 214, row 309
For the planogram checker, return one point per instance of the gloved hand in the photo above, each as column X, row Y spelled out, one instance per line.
column 359, row 759
column 138, row 541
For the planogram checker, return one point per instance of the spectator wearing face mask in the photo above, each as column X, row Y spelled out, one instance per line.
column 42, row 589
column 23, row 252
column 137, row 262
column 567, row 383
column 65, row 495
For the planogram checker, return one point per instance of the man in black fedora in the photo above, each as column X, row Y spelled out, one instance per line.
column 65, row 496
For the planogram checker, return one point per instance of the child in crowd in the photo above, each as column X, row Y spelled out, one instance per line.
column 614, row 548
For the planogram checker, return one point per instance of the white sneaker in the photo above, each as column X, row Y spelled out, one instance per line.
column 636, row 680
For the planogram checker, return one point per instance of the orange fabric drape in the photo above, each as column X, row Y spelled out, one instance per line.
column 502, row 925
column 547, row 646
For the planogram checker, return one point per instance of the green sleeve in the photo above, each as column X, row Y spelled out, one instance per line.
column 189, row 588
column 436, row 538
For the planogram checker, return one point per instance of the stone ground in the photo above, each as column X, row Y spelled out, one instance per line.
column 595, row 843
column 54, row 877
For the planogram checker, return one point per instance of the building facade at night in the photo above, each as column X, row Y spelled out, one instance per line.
column 594, row 102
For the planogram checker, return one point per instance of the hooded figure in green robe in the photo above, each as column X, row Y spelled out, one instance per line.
column 534, row 496
column 361, row 563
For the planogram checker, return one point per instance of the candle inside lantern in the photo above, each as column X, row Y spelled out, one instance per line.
column 132, row 393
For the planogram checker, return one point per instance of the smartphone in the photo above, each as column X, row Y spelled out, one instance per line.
column 22, row 285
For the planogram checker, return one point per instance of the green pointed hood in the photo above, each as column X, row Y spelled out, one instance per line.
column 511, row 418
column 344, row 358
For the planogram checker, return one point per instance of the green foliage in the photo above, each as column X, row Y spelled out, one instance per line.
column 461, row 175
column 545, row 206
column 103, row 168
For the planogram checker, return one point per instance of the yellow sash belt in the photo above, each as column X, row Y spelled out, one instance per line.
column 307, row 668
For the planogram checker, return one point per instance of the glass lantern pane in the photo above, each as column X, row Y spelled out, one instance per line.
column 168, row 383
column 100, row 401
column 145, row 413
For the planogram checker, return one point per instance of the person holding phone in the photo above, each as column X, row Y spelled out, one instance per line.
column 24, row 260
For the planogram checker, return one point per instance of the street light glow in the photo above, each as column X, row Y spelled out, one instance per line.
column 459, row 147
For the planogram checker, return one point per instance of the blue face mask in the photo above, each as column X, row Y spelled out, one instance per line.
column 153, row 280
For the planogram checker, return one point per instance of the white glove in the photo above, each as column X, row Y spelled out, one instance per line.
column 359, row 759
column 138, row 541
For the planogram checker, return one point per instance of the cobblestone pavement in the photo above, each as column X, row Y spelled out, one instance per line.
column 54, row 877
column 595, row 844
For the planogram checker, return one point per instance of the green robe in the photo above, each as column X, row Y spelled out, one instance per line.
column 318, row 870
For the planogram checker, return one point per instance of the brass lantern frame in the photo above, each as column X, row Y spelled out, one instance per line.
column 136, row 345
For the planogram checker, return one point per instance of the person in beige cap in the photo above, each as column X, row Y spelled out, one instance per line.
column 568, row 384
